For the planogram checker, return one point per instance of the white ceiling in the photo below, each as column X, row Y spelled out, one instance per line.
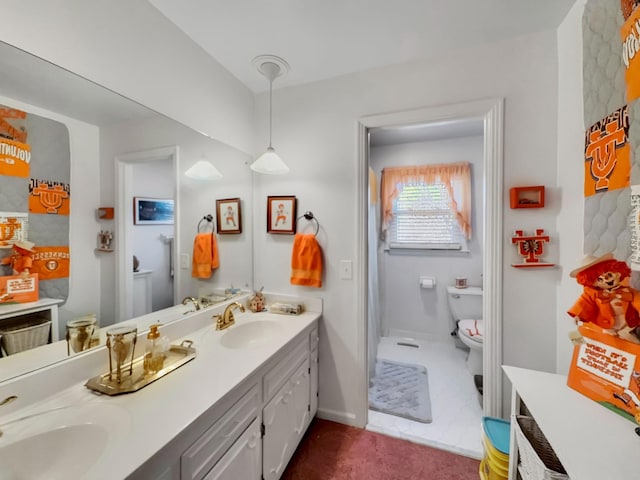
column 322, row 39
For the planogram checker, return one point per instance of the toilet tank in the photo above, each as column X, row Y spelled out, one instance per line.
column 465, row 302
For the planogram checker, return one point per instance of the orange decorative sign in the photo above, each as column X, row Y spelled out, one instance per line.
column 49, row 197
column 630, row 36
column 51, row 262
column 15, row 158
column 18, row 289
column 607, row 154
column 606, row 369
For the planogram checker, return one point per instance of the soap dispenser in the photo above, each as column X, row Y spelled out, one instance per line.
column 154, row 352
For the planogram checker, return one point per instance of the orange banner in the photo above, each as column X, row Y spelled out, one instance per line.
column 630, row 36
column 14, row 158
column 51, row 262
column 607, row 154
column 49, row 197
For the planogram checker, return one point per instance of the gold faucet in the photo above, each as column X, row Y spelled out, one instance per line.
column 226, row 319
column 7, row 400
column 193, row 300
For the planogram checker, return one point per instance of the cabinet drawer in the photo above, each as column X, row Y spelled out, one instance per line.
column 284, row 369
column 200, row 457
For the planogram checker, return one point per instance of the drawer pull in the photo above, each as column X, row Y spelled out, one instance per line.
column 254, row 441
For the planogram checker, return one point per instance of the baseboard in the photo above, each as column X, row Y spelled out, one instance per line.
column 339, row 417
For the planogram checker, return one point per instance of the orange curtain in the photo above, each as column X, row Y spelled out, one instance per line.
column 455, row 176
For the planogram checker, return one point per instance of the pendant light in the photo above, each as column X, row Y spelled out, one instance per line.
column 271, row 67
column 203, row 170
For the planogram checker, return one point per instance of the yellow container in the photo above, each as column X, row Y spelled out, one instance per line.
column 488, row 473
column 499, row 461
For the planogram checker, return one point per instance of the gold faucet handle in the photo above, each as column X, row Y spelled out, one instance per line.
column 219, row 321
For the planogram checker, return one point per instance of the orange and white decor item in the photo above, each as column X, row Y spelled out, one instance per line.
column 531, row 248
column 630, row 38
column 51, row 262
column 19, row 289
column 49, row 197
column 15, row 152
column 606, row 368
column 607, row 154
column 13, row 227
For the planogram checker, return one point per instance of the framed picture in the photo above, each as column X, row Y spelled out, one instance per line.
column 281, row 215
column 228, row 216
column 152, row 211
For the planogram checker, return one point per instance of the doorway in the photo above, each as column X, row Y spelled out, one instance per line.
column 490, row 112
column 126, row 167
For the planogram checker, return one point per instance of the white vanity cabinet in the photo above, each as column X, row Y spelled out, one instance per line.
column 243, row 460
column 252, row 432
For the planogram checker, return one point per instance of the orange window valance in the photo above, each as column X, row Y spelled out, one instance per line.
column 455, row 176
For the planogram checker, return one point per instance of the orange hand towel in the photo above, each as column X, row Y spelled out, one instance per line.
column 306, row 261
column 205, row 255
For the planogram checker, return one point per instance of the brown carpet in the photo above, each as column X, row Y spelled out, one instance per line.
column 332, row 451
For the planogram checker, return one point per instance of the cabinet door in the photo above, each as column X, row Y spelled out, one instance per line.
column 242, row 461
column 313, row 383
column 300, row 401
column 279, row 423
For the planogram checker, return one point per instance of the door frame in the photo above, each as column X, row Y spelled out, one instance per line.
column 491, row 112
column 124, row 219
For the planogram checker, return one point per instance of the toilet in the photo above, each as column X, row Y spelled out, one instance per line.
column 465, row 305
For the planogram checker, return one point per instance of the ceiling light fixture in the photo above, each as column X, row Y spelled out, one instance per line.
column 271, row 67
column 203, row 170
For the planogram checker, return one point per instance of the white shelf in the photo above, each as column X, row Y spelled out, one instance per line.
column 592, row 442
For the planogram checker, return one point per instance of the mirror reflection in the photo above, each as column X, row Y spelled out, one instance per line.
column 125, row 155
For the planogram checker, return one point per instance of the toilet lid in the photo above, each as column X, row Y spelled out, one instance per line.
column 472, row 329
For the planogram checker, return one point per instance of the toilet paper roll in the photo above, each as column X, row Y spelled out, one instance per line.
column 427, row 282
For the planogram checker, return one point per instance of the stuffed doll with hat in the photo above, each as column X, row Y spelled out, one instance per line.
column 21, row 260
column 606, row 301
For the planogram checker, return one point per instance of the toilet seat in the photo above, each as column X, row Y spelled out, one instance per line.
column 472, row 330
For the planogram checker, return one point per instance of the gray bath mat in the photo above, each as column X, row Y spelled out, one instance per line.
column 401, row 389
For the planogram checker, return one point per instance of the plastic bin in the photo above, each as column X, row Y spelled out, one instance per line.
column 25, row 334
column 538, row 461
column 495, row 440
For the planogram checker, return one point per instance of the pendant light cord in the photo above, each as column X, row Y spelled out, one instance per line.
column 270, row 110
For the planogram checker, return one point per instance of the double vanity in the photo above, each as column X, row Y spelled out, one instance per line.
column 237, row 410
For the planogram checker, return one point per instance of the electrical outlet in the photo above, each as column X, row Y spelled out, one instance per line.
column 184, row 260
column 346, row 269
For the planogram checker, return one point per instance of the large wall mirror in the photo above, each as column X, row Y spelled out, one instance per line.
column 123, row 154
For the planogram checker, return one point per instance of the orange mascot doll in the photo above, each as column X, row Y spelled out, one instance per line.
column 607, row 300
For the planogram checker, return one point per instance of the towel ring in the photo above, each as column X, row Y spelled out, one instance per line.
column 309, row 216
column 208, row 218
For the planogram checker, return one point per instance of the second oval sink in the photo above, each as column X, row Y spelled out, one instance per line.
column 249, row 334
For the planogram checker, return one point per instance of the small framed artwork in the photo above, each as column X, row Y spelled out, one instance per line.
column 281, row 215
column 228, row 216
column 152, row 211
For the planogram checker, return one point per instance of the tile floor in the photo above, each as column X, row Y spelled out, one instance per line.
column 457, row 414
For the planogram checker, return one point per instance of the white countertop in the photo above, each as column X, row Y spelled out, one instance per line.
column 592, row 442
column 161, row 410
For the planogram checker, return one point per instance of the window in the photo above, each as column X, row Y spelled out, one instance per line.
column 422, row 218
column 427, row 206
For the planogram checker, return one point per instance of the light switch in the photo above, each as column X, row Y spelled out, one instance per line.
column 184, row 260
column 346, row 269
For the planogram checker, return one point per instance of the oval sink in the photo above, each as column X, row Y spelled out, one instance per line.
column 249, row 334
column 66, row 452
column 60, row 443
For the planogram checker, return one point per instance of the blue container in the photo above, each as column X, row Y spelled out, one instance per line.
column 497, row 432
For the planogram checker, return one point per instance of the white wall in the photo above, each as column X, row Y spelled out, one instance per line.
column 154, row 180
column 131, row 48
column 571, row 130
column 315, row 131
column 84, row 270
column 408, row 310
